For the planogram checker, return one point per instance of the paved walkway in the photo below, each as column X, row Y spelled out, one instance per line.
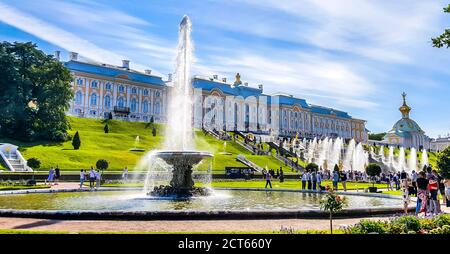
column 172, row 226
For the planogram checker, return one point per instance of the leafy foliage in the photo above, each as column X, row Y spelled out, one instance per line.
column 333, row 203
column 377, row 136
column 102, row 164
column 373, row 169
column 35, row 93
column 443, row 163
column 403, row 225
column 443, row 39
column 34, row 163
column 76, row 142
column 312, row 167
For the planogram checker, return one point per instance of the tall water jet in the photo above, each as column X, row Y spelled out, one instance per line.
column 401, row 160
column 424, row 161
column 178, row 154
column 179, row 134
column 412, row 160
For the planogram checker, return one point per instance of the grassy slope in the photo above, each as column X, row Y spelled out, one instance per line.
column 114, row 147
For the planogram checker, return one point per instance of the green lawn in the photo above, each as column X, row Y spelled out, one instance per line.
column 114, row 147
column 22, row 187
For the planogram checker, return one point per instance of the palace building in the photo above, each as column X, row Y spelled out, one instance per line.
column 126, row 94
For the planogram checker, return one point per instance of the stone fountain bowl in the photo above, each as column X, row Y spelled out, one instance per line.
column 185, row 157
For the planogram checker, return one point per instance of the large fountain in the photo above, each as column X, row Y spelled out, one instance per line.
column 178, row 150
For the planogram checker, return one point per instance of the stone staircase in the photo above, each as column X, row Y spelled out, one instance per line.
column 13, row 159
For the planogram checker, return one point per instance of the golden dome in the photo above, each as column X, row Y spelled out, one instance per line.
column 404, row 109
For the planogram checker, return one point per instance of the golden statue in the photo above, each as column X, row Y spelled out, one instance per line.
column 404, row 109
column 238, row 79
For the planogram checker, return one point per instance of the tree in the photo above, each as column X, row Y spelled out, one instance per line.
column 102, row 165
column 373, row 170
column 76, row 142
column 443, row 163
column 332, row 203
column 35, row 92
column 154, row 131
column 152, row 120
column 443, row 39
column 110, row 116
column 377, row 136
column 34, row 163
column 312, row 167
column 106, row 129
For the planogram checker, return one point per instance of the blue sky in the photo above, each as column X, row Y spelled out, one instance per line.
column 353, row 55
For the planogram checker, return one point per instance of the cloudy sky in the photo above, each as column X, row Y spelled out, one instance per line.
column 353, row 55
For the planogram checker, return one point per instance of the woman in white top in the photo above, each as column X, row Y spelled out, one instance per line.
column 82, row 178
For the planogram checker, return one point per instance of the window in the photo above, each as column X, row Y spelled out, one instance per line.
column 94, row 84
column 121, row 102
column 146, row 92
column 133, row 105
column 145, row 107
column 121, row 89
column 157, row 108
column 78, row 98
column 94, row 99
column 80, row 82
column 134, row 90
column 107, row 101
column 145, row 119
column 78, row 111
column 108, row 86
column 158, row 94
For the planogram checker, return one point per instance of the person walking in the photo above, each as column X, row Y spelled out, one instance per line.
column 304, row 179
column 319, row 181
column 92, row 177
column 314, row 180
column 335, row 180
column 268, row 177
column 281, row 175
column 308, row 180
column 344, row 180
column 125, row 174
column 82, row 178
column 433, row 187
column 422, row 193
column 405, row 196
column 447, row 191
column 51, row 176
column 414, row 182
column 98, row 178
column 57, row 174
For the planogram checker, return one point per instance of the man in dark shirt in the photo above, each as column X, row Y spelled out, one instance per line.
column 422, row 184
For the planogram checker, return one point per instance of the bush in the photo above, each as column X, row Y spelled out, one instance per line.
column 102, row 164
column 403, row 225
column 373, row 170
column 154, row 132
column 106, row 129
column 312, row 167
column 76, row 142
column 443, row 163
column 34, row 163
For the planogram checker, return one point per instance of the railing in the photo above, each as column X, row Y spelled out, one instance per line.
column 244, row 160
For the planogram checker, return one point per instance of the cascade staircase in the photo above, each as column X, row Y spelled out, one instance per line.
column 13, row 159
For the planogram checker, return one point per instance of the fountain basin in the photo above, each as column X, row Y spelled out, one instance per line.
column 182, row 184
column 222, row 204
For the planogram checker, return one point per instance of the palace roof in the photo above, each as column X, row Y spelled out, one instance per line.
column 114, row 72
